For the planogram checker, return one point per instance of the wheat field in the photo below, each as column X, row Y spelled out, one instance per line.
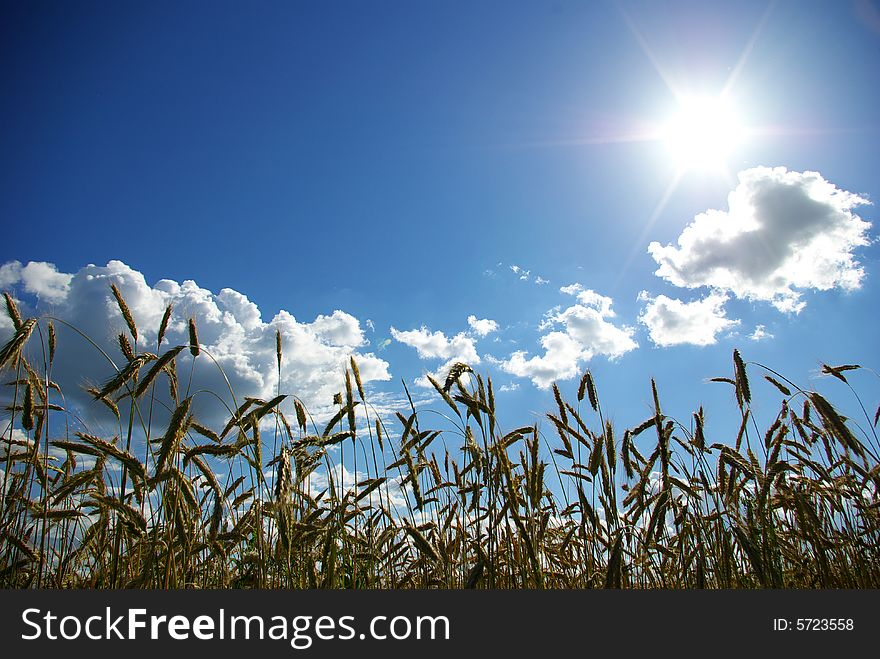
column 568, row 502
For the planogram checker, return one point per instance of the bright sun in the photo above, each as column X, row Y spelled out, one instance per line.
column 703, row 133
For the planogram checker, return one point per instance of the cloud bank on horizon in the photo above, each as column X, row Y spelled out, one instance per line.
column 230, row 329
column 784, row 233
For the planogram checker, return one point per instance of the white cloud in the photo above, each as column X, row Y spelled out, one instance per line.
column 562, row 353
column 230, row 329
column 38, row 278
column 674, row 322
column 435, row 345
column 482, row 326
column 590, row 298
column 339, row 329
column 590, row 327
column 521, row 272
column 391, row 490
column 783, row 233
column 585, row 332
column 760, row 334
column 10, row 274
column 549, row 318
column 5, row 326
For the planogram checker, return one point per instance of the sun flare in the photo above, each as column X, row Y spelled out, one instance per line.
column 703, row 133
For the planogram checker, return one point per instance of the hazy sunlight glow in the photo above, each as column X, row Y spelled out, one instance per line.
column 703, row 133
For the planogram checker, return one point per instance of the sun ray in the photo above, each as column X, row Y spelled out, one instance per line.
column 597, row 140
column 638, row 245
column 681, row 169
column 747, row 51
column 646, row 49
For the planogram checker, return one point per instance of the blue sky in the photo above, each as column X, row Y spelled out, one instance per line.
column 395, row 161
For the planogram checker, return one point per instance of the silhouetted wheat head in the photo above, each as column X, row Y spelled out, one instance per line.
column 569, row 502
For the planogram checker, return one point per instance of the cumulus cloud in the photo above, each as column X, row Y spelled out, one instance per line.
column 230, row 327
column 482, row 326
column 560, row 361
column 578, row 333
column 436, row 345
column 37, row 278
column 783, row 233
column 590, row 298
column 10, row 274
column 674, row 322
column 339, row 329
